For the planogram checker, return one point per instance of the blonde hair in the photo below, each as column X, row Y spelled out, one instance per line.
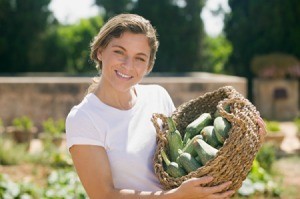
column 114, row 28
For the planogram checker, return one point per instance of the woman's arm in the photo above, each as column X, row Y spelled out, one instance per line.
column 93, row 168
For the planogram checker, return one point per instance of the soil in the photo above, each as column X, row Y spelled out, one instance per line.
column 289, row 175
column 36, row 174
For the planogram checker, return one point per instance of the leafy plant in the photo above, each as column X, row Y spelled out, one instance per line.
column 17, row 152
column 23, row 123
column 60, row 159
column 272, row 126
column 61, row 184
column 10, row 189
column 64, row 184
column 55, row 128
column 259, row 180
column 266, row 156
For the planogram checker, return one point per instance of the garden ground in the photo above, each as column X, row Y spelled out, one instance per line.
column 287, row 165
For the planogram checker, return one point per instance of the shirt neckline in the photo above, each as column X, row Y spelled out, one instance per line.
column 99, row 103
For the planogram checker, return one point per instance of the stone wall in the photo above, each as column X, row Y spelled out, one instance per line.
column 277, row 99
column 44, row 97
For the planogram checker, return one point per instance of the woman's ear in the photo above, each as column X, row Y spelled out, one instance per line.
column 99, row 54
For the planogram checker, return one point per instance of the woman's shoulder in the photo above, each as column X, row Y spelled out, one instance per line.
column 151, row 88
column 83, row 109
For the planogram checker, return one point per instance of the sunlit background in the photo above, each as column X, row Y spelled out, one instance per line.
column 70, row 11
column 45, row 69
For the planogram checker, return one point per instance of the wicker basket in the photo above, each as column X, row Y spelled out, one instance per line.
column 234, row 159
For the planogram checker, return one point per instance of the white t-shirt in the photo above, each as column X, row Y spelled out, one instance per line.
column 128, row 136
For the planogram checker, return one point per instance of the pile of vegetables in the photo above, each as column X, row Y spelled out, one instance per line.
column 202, row 139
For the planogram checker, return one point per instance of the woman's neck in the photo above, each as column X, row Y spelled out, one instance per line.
column 114, row 98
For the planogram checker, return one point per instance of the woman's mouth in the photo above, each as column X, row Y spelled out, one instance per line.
column 122, row 75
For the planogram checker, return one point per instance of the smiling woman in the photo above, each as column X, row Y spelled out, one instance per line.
column 110, row 131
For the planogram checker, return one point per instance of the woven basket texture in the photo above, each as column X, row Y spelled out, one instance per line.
column 234, row 159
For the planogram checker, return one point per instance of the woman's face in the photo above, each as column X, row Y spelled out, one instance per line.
column 125, row 61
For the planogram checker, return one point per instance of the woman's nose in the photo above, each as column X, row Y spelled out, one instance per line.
column 128, row 63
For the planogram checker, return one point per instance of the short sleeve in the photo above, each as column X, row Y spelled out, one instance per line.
column 81, row 130
column 168, row 102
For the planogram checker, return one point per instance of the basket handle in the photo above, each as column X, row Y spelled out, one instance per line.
column 160, row 128
column 245, row 119
column 233, row 103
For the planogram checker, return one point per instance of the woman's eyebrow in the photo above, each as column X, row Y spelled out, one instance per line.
column 118, row 46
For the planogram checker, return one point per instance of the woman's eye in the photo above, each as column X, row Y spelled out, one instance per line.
column 141, row 59
column 119, row 52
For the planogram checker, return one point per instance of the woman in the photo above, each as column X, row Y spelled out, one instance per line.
column 109, row 134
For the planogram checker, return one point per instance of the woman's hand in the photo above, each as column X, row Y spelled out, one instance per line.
column 262, row 131
column 192, row 189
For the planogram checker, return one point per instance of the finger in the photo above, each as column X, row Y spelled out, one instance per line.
column 262, row 128
column 218, row 188
column 261, row 122
column 200, row 181
column 226, row 194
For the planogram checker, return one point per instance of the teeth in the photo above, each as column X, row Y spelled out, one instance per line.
column 123, row 75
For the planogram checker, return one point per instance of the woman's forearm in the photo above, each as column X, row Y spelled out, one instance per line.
column 132, row 194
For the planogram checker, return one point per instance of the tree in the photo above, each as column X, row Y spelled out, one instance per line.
column 215, row 53
column 180, row 30
column 66, row 48
column 255, row 27
column 114, row 7
column 21, row 25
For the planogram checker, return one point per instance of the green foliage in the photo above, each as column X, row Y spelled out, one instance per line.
column 216, row 51
column 180, row 33
column 180, row 30
column 10, row 189
column 17, row 152
column 68, row 46
column 272, row 126
column 22, row 23
column 261, row 27
column 64, row 184
column 266, row 156
column 60, row 159
column 259, row 181
column 275, row 65
column 61, row 184
column 76, row 40
column 54, row 128
column 23, row 123
column 115, row 7
column 297, row 123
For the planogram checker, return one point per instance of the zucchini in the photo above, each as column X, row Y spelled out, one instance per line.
column 226, row 108
column 222, row 127
column 174, row 139
column 209, row 136
column 197, row 125
column 204, row 151
column 172, row 168
column 188, row 162
column 189, row 148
